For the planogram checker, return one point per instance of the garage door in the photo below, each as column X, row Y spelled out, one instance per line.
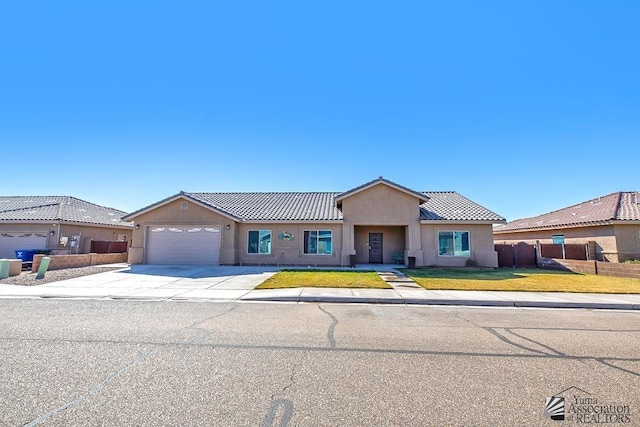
column 183, row 245
column 10, row 241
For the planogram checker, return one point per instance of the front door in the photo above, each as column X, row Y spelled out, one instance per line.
column 375, row 248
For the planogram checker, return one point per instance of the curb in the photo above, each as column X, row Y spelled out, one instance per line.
column 355, row 300
column 449, row 302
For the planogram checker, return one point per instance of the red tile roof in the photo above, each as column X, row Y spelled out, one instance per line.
column 619, row 206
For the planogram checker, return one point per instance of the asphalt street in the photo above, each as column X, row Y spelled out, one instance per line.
column 150, row 363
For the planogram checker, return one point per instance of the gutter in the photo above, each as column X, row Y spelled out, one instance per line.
column 559, row 227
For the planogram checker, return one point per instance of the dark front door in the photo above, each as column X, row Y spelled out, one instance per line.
column 375, row 248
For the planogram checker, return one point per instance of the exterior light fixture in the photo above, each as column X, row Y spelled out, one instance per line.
column 137, row 226
column 228, row 226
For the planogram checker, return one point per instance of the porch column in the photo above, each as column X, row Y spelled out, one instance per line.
column 414, row 243
column 348, row 243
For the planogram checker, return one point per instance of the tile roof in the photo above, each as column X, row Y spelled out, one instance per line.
column 273, row 206
column 451, row 206
column 312, row 206
column 58, row 208
column 629, row 207
column 620, row 206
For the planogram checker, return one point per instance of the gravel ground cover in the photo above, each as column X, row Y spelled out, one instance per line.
column 29, row 279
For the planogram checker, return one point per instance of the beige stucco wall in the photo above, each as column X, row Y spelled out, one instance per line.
column 172, row 214
column 604, row 236
column 480, row 245
column 288, row 252
column 628, row 241
column 87, row 232
column 380, row 205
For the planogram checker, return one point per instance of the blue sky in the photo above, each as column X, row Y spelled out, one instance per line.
column 522, row 106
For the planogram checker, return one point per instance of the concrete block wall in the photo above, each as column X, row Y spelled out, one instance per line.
column 619, row 270
column 584, row 267
column 592, row 267
column 59, row 262
column 15, row 267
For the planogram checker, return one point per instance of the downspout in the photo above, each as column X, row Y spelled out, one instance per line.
column 59, row 221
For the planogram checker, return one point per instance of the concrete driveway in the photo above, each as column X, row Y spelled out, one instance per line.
column 154, row 282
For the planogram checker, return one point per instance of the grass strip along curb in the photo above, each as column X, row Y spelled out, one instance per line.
column 324, row 279
column 522, row 280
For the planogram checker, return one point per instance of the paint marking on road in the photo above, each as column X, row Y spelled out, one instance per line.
column 270, row 418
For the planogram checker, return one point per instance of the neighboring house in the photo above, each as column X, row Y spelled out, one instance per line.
column 61, row 223
column 611, row 221
column 377, row 222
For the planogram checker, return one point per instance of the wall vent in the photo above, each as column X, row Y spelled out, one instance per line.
column 184, row 206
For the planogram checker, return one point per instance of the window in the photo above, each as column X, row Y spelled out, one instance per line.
column 259, row 242
column 557, row 239
column 454, row 243
column 318, row 242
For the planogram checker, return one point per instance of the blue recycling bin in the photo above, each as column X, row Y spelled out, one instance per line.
column 26, row 255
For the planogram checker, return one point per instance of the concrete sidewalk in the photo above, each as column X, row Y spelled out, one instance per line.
column 237, row 284
column 459, row 298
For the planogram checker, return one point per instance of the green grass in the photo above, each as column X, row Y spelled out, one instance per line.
column 324, row 279
column 529, row 280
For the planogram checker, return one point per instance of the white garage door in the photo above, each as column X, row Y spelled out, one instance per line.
column 10, row 241
column 183, row 245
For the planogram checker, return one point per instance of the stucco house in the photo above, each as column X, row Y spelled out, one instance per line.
column 377, row 222
column 611, row 221
column 63, row 224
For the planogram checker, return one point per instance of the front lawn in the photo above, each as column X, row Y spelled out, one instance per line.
column 528, row 280
column 324, row 279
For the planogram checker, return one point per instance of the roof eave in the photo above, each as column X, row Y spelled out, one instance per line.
column 421, row 197
column 170, row 199
column 292, row 221
column 100, row 225
column 461, row 221
column 63, row 222
column 561, row 226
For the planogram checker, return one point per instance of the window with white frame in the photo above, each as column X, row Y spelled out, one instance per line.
column 453, row 243
column 557, row 239
column 259, row 242
column 318, row 242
